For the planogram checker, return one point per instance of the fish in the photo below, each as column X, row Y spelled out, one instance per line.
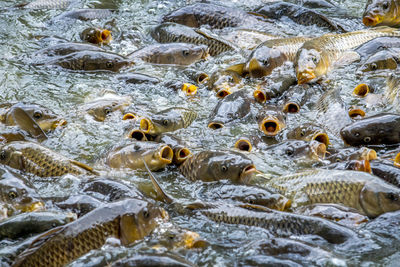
column 210, row 166
column 39, row 160
column 386, row 59
column 234, row 107
column 12, row 133
column 86, row 14
column 215, row 16
column 96, row 36
column 246, row 194
column 247, row 39
column 272, row 54
column 153, row 259
column 168, row 120
column 378, row 44
column 170, row 54
column 296, row 149
column 391, row 93
column 379, row 12
column 33, row 222
column 318, row 55
column 298, row 14
column 283, row 224
column 224, row 82
column 176, row 33
column 137, row 78
column 131, row 155
column 128, row 220
column 47, row 4
column 355, row 165
column 308, row 132
column 63, row 49
column 380, row 129
column 362, row 191
column 91, row 61
column 46, row 119
column 271, row 120
column 298, row 96
column 181, row 152
column 100, row 108
column 16, row 195
column 386, row 171
column 347, row 154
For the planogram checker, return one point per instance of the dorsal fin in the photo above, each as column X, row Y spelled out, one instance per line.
column 83, row 166
column 160, row 192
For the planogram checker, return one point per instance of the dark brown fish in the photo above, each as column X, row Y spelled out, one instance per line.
column 386, row 171
column 218, row 165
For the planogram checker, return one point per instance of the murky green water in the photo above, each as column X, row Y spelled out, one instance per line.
column 86, row 140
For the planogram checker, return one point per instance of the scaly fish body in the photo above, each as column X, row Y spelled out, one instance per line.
column 218, row 165
column 392, row 90
column 86, row 14
column 168, row 120
column 63, row 49
column 177, row 33
column 272, row 54
column 39, row 160
column 127, row 220
column 171, row 54
column 360, row 190
column 316, row 57
column 382, row 12
column 48, row 4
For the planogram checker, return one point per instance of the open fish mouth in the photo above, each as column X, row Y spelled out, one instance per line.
column 189, row 89
column 215, row 125
column 129, row 116
column 224, row 91
column 193, row 240
column 255, row 69
column 202, row 78
column 322, row 138
column 146, row 125
column 361, row 90
column 361, row 165
column 248, row 173
column 356, row 113
column 270, row 126
column 291, row 107
column 261, row 96
column 370, row 20
column 105, row 36
column 166, row 154
column 35, row 206
column 244, row 145
column 305, row 76
column 318, row 149
column 138, row 135
column 369, row 154
column 181, row 155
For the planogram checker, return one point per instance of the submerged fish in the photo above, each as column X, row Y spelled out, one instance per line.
column 86, row 14
column 39, row 160
column 224, row 82
column 103, row 106
column 381, row 12
column 359, row 190
column 308, row 132
column 177, row 33
column 271, row 120
column 386, row 59
column 96, row 36
column 297, row 149
column 380, row 129
column 132, row 154
column 181, row 152
column 153, row 259
column 170, row 54
column 215, row 16
column 168, row 120
column 128, row 220
column 218, row 165
column 378, row 44
column 246, row 38
column 47, row 4
column 91, row 61
column 272, row 54
column 63, row 49
column 317, row 56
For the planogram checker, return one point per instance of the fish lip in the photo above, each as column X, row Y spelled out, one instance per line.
column 243, row 145
column 182, row 154
column 255, row 69
column 273, row 122
column 202, row 78
column 215, row 125
column 35, row 206
column 193, row 240
column 371, row 20
column 189, row 89
column 356, row 112
column 138, row 135
column 223, row 92
column 305, row 76
column 146, row 125
column 129, row 116
column 361, row 90
column 318, row 149
column 260, row 95
column 59, row 123
column 105, row 36
column 248, row 173
column 365, row 166
column 369, row 154
column 322, row 138
column 166, row 154
column 291, row 107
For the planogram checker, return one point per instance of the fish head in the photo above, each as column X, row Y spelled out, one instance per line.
column 175, row 238
column 381, row 12
column 223, row 81
column 94, row 60
column 182, row 16
column 181, row 53
column 44, row 117
column 102, row 108
column 379, row 61
column 136, row 225
column 310, row 64
column 271, row 120
column 231, row 165
column 295, row 149
column 263, row 60
column 361, row 133
column 377, row 198
column 168, row 121
column 309, row 132
column 11, row 156
column 96, row 36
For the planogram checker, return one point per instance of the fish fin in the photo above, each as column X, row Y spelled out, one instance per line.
column 238, row 68
column 261, row 17
column 255, row 207
column 83, row 166
column 347, row 58
column 198, row 206
column 27, row 123
column 160, row 192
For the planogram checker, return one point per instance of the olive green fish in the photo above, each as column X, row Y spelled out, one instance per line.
column 317, row 56
column 308, row 132
column 128, row 220
column 359, row 190
column 170, row 54
column 218, row 165
column 381, row 12
column 386, row 59
column 39, row 160
column 103, row 106
column 177, row 33
column 168, row 120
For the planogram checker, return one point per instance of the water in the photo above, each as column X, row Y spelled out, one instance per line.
column 86, row 140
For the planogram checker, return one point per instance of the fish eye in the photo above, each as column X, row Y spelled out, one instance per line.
column 303, row 133
column 315, row 60
column 171, row 236
column 251, row 201
column 338, row 160
column 385, row 5
column 12, row 195
column 37, row 115
column 146, row 214
column 392, row 197
column 374, row 66
column 3, row 155
column 356, row 134
column 367, row 139
column 165, row 122
column 185, row 53
column 224, row 168
column 109, row 64
column 289, row 152
column 107, row 110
